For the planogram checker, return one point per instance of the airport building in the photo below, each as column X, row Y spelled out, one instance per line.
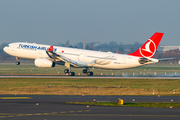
column 167, row 48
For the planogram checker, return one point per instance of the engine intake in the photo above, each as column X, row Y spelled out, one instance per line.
column 41, row 62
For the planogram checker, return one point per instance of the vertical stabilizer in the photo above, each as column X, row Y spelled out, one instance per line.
column 148, row 49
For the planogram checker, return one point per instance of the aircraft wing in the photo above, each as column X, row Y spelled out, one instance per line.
column 59, row 57
column 55, row 57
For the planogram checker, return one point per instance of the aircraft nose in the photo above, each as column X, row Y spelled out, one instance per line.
column 5, row 49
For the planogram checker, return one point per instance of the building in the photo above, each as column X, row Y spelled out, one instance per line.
column 167, row 48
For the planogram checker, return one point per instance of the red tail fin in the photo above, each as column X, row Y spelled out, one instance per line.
column 149, row 47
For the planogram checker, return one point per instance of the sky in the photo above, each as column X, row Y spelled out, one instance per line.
column 56, row 21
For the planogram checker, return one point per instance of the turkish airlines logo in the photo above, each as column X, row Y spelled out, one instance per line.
column 148, row 49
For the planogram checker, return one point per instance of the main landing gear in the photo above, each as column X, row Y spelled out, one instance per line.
column 85, row 71
column 69, row 72
column 88, row 72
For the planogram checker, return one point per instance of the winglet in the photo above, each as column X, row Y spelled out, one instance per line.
column 149, row 48
column 50, row 48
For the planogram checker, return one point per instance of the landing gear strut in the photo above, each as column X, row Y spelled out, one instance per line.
column 88, row 72
column 17, row 61
column 68, row 70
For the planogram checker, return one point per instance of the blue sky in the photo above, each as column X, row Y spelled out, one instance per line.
column 54, row 21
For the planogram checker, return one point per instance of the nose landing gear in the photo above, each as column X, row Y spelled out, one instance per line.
column 17, row 61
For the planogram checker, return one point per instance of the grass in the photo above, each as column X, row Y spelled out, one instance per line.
column 89, row 86
column 137, row 104
column 149, row 70
column 79, row 86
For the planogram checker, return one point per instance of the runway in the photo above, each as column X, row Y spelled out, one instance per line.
column 54, row 108
column 90, row 77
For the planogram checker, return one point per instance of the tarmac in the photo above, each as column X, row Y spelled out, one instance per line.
column 53, row 107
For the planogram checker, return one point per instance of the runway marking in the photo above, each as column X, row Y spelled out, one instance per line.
column 79, row 111
column 11, row 98
column 117, row 115
column 46, row 114
column 92, row 77
column 38, row 114
column 7, row 114
column 52, row 113
column 20, row 115
column 63, row 112
column 112, row 115
column 2, row 116
column 28, row 114
column 71, row 111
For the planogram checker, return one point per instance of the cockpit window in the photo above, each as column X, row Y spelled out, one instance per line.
column 10, row 45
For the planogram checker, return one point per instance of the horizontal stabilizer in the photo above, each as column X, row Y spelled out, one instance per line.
column 166, row 58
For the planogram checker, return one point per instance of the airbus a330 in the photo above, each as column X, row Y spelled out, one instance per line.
column 49, row 56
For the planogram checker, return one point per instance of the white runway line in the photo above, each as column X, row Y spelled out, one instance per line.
column 90, row 77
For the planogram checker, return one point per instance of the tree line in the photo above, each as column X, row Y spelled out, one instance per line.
column 112, row 46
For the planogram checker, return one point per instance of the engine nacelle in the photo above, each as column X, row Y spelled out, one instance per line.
column 41, row 62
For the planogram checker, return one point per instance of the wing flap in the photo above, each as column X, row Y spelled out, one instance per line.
column 53, row 56
column 57, row 57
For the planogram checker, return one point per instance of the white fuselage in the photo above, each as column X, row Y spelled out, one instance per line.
column 104, row 60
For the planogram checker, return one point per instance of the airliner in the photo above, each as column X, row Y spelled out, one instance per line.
column 49, row 56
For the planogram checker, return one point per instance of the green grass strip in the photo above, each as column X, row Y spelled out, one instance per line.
column 137, row 104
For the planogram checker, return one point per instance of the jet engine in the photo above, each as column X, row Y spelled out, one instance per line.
column 41, row 62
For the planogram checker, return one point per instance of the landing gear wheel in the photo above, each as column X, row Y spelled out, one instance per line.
column 71, row 73
column 90, row 73
column 84, row 71
column 17, row 63
column 66, row 71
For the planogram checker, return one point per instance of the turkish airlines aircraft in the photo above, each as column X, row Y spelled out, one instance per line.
column 48, row 56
